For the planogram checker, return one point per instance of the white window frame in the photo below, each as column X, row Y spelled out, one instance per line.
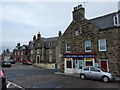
column 87, row 46
column 50, row 50
column 68, row 47
column 114, row 19
column 50, row 58
column 77, row 32
column 31, row 51
column 99, row 41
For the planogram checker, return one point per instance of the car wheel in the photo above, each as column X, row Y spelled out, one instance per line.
column 105, row 79
column 82, row 76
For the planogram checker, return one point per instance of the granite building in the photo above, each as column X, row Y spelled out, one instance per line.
column 43, row 50
column 93, row 42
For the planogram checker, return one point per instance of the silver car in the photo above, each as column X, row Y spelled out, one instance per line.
column 96, row 73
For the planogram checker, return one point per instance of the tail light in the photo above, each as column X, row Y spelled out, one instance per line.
column 2, row 73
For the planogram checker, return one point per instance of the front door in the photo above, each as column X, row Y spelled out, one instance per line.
column 104, row 65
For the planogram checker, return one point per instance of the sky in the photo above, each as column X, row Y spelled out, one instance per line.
column 20, row 21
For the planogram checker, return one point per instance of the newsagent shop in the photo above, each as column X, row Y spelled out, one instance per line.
column 73, row 62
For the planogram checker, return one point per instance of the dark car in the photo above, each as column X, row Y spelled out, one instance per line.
column 6, row 63
column 2, row 80
column 12, row 61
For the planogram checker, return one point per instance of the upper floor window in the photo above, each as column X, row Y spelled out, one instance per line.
column 50, row 50
column 31, row 51
column 78, row 32
column 38, row 51
column 18, row 53
column 102, row 45
column 88, row 46
column 21, row 52
column 68, row 47
column 116, row 20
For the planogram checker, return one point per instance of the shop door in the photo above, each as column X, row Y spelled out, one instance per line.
column 104, row 65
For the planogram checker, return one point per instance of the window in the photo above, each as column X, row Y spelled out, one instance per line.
column 21, row 53
column 86, row 69
column 102, row 44
column 116, row 20
column 94, row 69
column 31, row 51
column 88, row 46
column 38, row 51
column 77, row 32
column 50, row 59
column 50, row 50
column 69, row 64
column 68, row 47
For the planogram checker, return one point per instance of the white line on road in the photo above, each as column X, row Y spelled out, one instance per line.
column 14, row 85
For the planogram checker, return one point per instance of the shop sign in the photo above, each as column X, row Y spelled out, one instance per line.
column 79, row 56
column 88, row 56
column 89, row 59
column 68, row 58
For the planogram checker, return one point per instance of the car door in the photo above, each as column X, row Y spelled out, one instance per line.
column 86, row 71
column 95, row 73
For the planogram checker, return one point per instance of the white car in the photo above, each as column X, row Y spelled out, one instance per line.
column 96, row 73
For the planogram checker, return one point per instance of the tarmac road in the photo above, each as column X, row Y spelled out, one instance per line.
column 27, row 76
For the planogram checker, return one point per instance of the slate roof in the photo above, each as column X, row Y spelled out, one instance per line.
column 50, row 42
column 104, row 22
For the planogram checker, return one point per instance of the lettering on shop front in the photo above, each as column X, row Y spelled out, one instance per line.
column 83, row 56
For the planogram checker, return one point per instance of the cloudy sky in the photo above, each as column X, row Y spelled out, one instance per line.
column 20, row 21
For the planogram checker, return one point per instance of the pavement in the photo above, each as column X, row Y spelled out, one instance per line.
column 47, row 66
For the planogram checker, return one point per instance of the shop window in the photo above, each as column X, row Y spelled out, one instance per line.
column 74, row 63
column 69, row 64
column 88, row 46
column 81, row 64
column 68, row 47
column 102, row 45
column 89, row 63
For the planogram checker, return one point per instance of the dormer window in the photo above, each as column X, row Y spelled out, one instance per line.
column 116, row 20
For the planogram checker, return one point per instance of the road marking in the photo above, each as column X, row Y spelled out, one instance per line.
column 14, row 85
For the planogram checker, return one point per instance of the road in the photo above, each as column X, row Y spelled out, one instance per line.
column 27, row 76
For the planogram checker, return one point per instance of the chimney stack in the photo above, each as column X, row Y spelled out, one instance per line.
column 78, row 13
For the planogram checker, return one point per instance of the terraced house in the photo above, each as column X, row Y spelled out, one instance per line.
column 93, row 42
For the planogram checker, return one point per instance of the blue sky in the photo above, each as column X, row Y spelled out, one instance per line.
column 20, row 21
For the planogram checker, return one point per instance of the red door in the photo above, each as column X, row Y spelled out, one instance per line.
column 104, row 65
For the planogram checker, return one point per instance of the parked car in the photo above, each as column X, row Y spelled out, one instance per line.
column 28, row 62
column 2, row 80
column 96, row 73
column 6, row 63
column 12, row 61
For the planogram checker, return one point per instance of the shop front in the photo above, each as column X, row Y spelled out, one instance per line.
column 73, row 62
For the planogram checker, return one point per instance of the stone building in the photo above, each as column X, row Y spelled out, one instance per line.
column 93, row 42
column 6, row 55
column 20, row 53
column 43, row 50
